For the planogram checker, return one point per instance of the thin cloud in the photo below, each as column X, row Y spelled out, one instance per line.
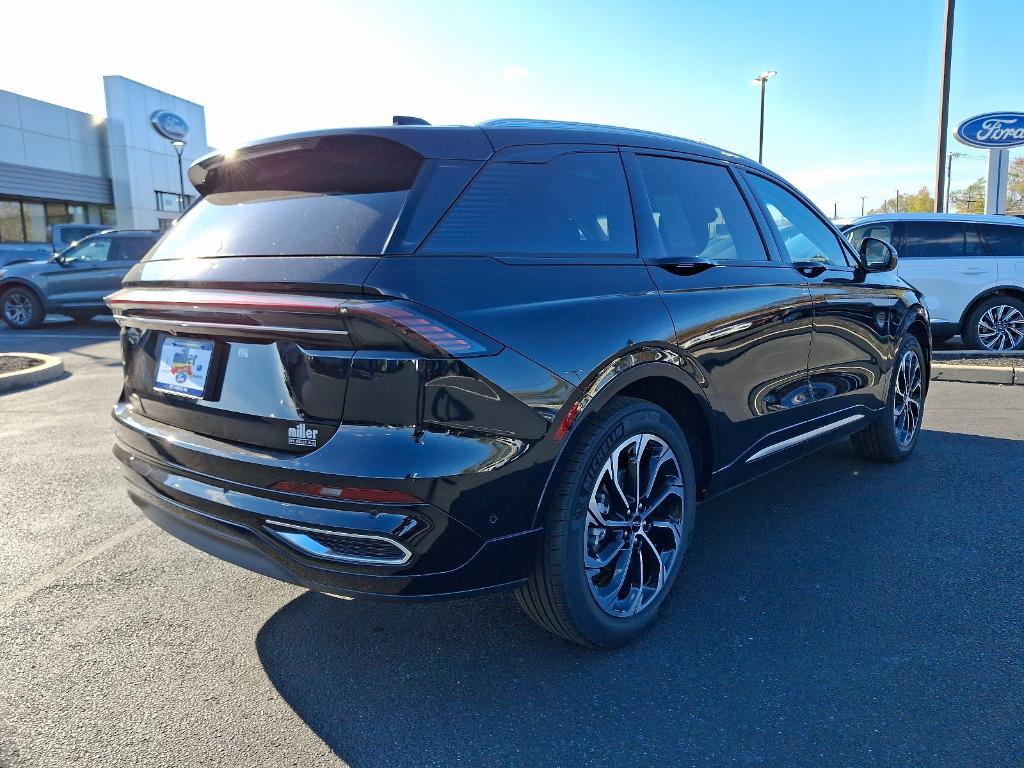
column 515, row 72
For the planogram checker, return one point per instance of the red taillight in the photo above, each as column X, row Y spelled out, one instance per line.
column 367, row 495
column 417, row 325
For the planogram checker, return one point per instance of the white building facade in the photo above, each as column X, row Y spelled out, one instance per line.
column 62, row 166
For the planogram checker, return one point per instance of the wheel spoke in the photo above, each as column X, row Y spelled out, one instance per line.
column 605, row 557
column 672, row 489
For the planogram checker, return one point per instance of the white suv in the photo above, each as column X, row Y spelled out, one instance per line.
column 969, row 267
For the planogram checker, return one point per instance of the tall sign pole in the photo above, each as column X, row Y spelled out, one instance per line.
column 940, row 154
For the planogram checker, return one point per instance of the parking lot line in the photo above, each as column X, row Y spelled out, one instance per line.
column 38, row 584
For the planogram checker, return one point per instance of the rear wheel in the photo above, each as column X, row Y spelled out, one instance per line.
column 618, row 525
column 996, row 325
column 892, row 437
column 21, row 308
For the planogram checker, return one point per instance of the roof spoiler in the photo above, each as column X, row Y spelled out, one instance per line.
column 408, row 120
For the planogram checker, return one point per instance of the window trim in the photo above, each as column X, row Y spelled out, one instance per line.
column 844, row 245
column 649, row 243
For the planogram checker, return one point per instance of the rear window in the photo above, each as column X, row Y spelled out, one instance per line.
column 283, row 223
column 338, row 195
column 1002, row 240
column 575, row 204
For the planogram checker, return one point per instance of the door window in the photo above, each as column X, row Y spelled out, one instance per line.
column 131, row 248
column 1002, row 240
column 90, row 250
column 881, row 230
column 699, row 212
column 934, row 239
column 573, row 204
column 802, row 235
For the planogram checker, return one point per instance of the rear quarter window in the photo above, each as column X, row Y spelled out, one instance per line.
column 575, row 204
column 1002, row 239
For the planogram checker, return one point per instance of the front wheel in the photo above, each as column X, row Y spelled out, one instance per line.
column 893, row 436
column 618, row 523
column 21, row 308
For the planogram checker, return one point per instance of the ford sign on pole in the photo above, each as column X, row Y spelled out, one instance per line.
column 996, row 132
column 993, row 130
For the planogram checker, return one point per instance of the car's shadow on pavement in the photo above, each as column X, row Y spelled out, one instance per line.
column 834, row 612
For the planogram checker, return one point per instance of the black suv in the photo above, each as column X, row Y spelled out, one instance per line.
column 424, row 362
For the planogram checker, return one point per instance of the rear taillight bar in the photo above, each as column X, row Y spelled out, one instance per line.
column 151, row 298
column 403, row 317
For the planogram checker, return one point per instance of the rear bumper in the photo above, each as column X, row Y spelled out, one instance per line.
column 233, row 522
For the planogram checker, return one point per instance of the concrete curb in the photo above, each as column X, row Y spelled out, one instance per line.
column 978, row 374
column 49, row 368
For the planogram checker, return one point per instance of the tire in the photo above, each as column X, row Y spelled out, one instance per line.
column 888, row 439
column 562, row 594
column 996, row 325
column 21, row 308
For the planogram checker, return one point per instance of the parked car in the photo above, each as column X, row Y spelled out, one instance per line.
column 420, row 362
column 969, row 267
column 73, row 282
column 62, row 236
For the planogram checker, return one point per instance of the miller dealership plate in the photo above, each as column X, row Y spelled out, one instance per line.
column 183, row 367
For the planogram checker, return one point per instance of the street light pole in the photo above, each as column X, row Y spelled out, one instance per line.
column 862, row 197
column 179, row 147
column 762, row 79
column 940, row 155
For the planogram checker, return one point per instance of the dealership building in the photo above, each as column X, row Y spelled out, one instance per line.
column 61, row 166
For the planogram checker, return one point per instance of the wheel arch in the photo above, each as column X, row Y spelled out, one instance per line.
column 666, row 384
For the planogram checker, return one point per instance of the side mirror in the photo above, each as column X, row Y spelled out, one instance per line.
column 877, row 255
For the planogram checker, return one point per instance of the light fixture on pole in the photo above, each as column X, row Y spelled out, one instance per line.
column 762, row 79
column 179, row 147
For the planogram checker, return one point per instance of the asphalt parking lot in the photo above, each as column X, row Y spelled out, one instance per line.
column 834, row 613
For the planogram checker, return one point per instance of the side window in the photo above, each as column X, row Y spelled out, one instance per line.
column 131, row 248
column 883, row 231
column 972, row 242
column 698, row 211
column 1002, row 240
column 90, row 250
column 575, row 204
column 935, row 239
column 803, row 235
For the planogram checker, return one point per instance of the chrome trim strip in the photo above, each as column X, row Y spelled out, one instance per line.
column 142, row 322
column 312, row 547
column 789, row 442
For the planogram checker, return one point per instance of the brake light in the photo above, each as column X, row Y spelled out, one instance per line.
column 367, row 495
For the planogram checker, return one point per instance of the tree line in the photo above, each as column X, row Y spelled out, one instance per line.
column 969, row 199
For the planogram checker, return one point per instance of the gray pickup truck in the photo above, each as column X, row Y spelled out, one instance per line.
column 62, row 236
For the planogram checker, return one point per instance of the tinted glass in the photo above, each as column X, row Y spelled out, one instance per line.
column 804, row 236
column 699, row 212
column 90, row 250
column 972, row 242
column 883, row 231
column 1002, row 240
column 936, row 239
column 573, row 204
column 278, row 223
column 132, row 248
column 71, row 234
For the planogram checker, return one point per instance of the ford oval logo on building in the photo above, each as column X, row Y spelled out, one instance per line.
column 170, row 125
column 993, row 130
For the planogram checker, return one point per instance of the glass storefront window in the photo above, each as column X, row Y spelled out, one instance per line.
column 108, row 216
column 57, row 213
column 76, row 214
column 12, row 230
column 35, row 222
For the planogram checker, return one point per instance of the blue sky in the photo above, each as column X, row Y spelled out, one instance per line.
column 852, row 112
